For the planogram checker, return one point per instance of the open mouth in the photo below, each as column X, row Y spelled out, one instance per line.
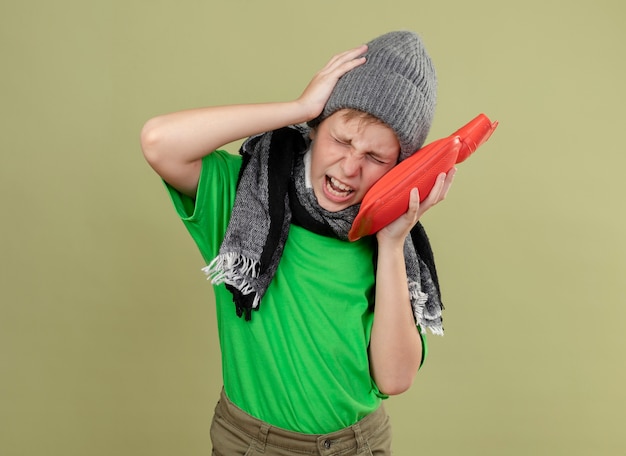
column 338, row 189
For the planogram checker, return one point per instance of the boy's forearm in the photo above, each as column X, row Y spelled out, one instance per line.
column 174, row 144
column 190, row 135
column 395, row 345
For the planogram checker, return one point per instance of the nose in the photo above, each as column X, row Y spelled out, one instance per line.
column 351, row 165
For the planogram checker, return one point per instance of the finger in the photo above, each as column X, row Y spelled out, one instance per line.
column 442, row 186
column 346, row 60
column 401, row 226
column 447, row 184
column 414, row 202
column 435, row 192
column 413, row 213
column 348, row 55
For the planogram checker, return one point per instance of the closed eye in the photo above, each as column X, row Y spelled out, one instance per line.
column 377, row 159
column 343, row 142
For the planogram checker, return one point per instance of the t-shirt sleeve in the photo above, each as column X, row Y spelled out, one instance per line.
column 206, row 216
column 422, row 334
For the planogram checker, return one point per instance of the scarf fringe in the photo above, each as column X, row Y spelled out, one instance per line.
column 437, row 330
column 418, row 302
column 235, row 270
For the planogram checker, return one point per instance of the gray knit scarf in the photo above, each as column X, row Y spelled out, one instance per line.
column 272, row 193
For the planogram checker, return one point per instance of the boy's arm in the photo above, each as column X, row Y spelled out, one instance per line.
column 174, row 144
column 395, row 345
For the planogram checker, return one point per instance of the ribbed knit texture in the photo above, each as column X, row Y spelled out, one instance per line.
column 396, row 84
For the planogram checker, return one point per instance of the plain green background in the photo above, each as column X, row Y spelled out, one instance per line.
column 107, row 332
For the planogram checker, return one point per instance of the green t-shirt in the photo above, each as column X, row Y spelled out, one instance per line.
column 302, row 362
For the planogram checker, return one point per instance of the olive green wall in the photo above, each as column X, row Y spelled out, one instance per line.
column 107, row 333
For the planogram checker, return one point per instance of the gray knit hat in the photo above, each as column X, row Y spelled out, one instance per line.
column 396, row 84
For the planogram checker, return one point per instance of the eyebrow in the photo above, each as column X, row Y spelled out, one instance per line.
column 341, row 136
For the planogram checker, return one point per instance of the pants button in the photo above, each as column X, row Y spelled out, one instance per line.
column 327, row 444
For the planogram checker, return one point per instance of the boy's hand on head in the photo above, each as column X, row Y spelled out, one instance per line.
column 399, row 229
column 318, row 91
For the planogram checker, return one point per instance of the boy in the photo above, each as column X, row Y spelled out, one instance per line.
column 322, row 329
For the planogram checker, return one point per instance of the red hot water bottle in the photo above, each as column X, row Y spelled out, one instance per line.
column 388, row 198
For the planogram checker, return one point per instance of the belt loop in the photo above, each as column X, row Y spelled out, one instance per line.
column 358, row 436
column 262, row 437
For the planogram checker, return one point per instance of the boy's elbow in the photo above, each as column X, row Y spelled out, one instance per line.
column 150, row 138
column 395, row 386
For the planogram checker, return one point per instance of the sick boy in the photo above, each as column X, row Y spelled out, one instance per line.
column 314, row 331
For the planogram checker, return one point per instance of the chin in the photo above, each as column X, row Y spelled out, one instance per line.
column 332, row 206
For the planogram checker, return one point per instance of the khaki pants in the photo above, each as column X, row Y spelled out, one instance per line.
column 234, row 432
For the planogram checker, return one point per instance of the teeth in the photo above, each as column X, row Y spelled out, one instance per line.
column 338, row 186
